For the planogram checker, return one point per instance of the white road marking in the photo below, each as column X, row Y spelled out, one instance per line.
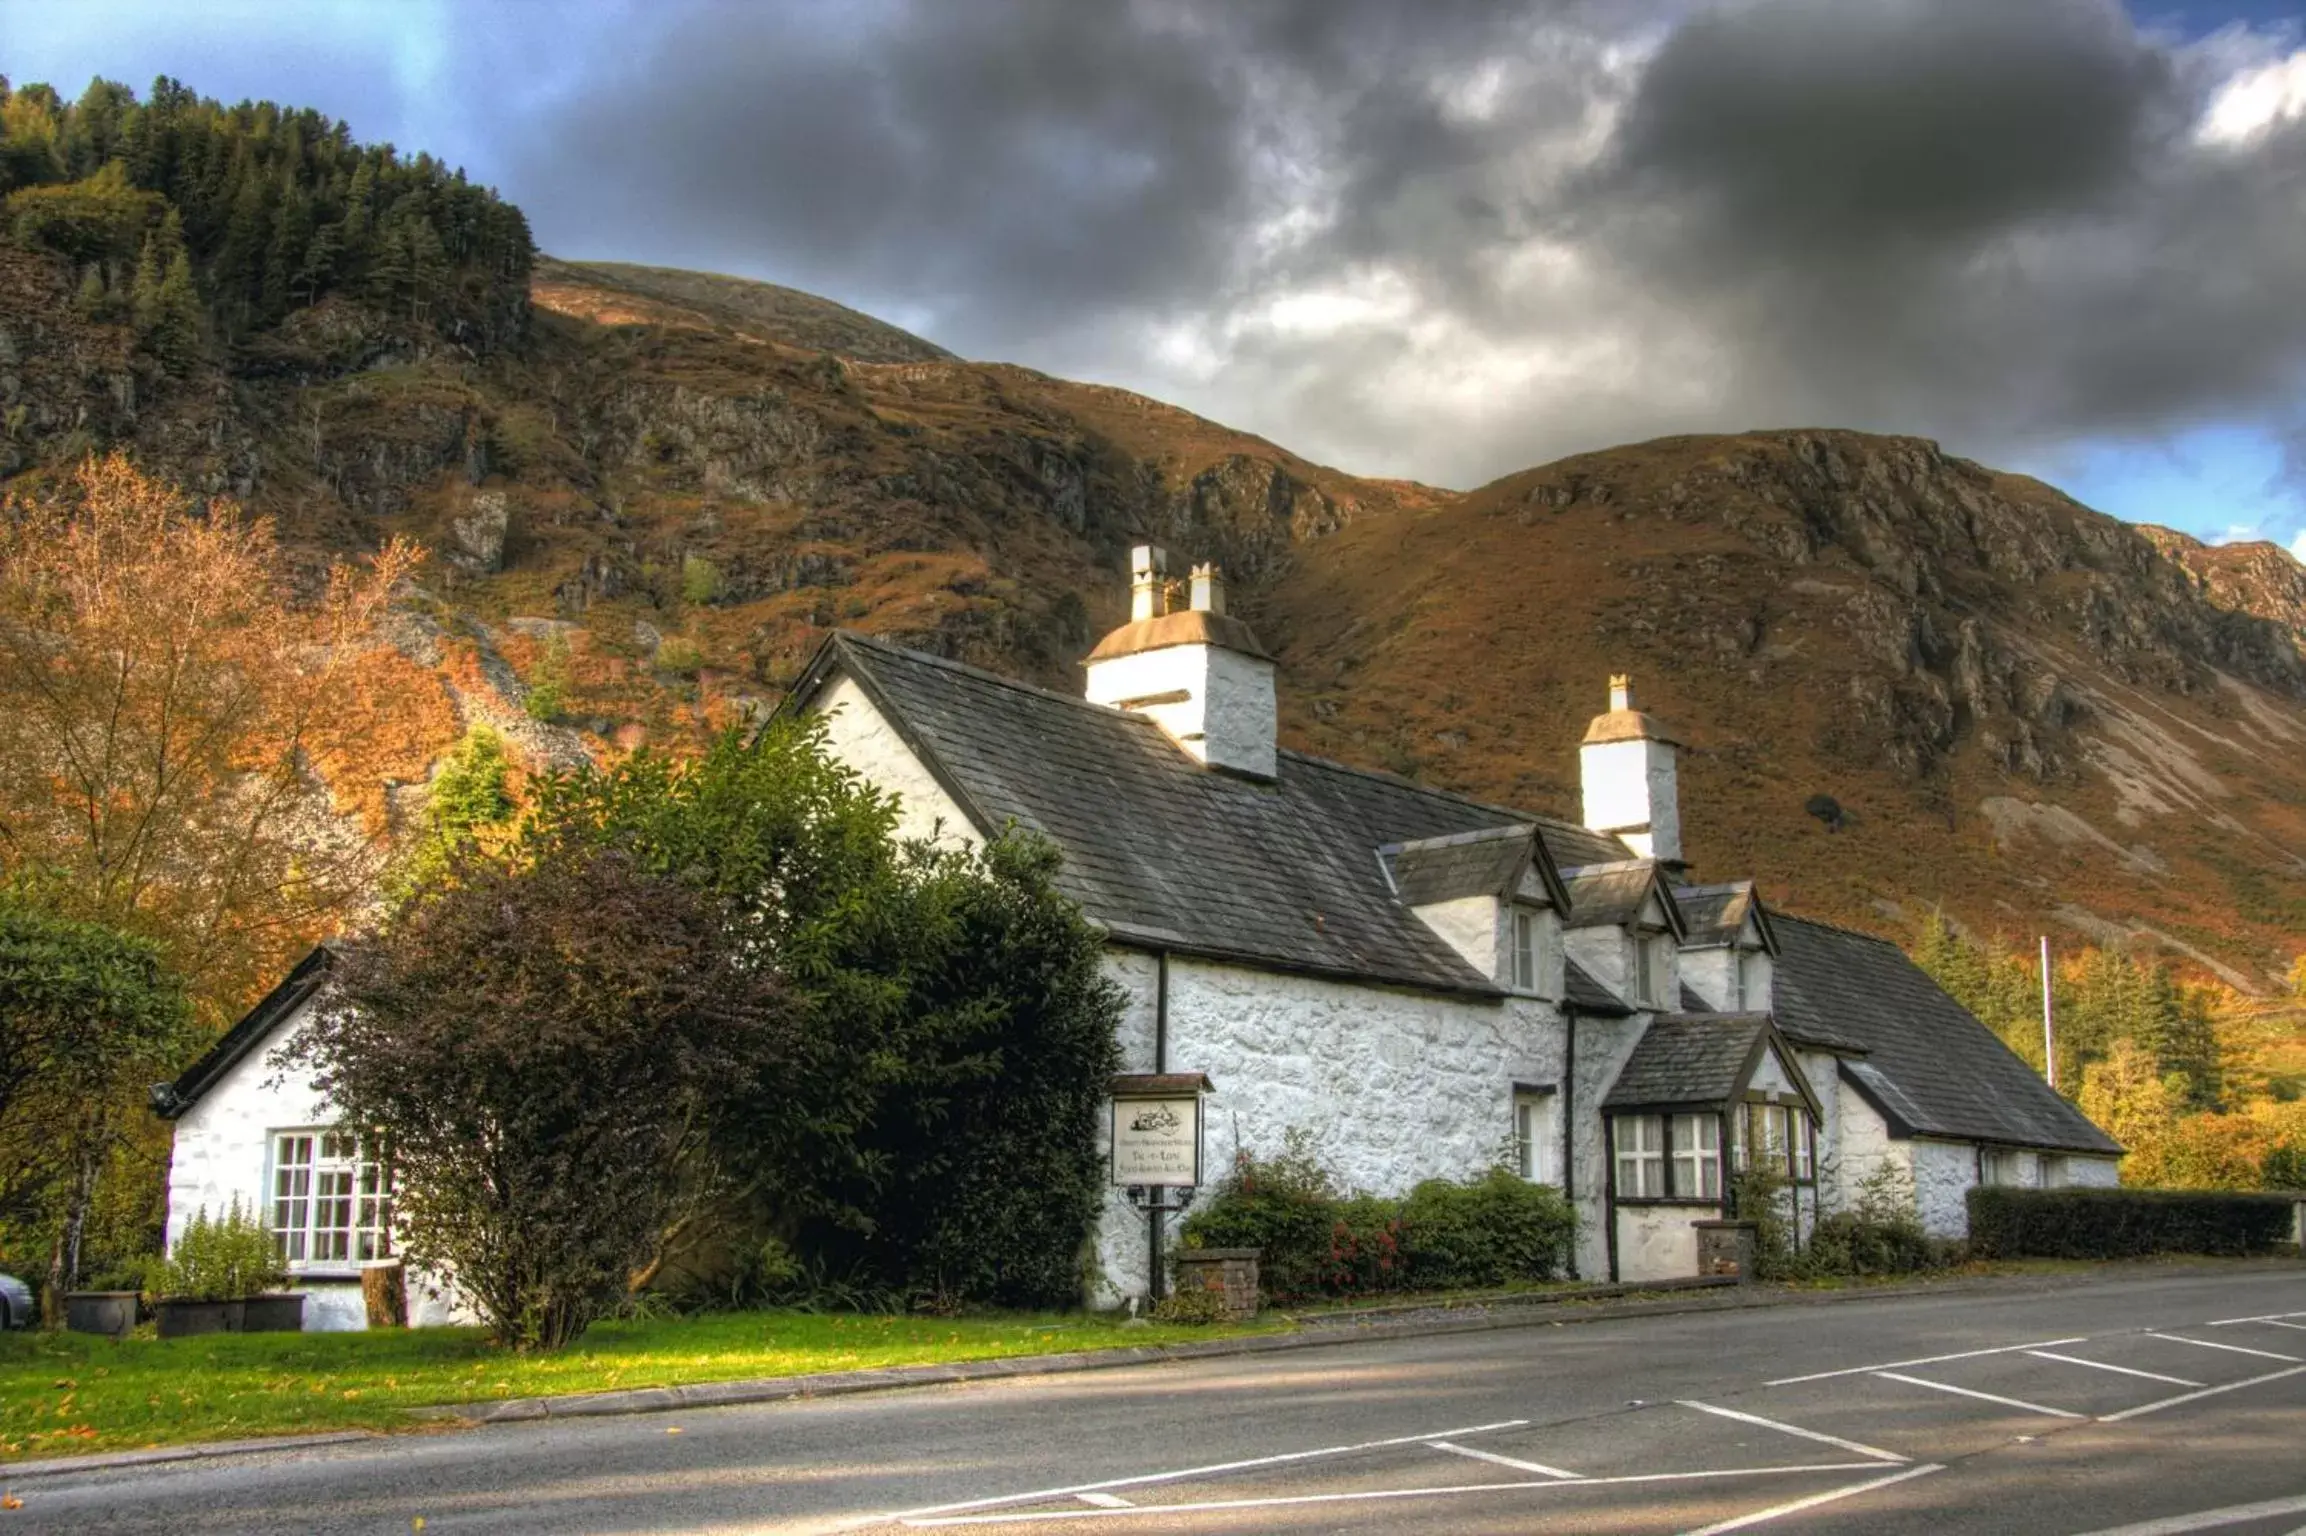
column 1362, row 1496
column 2263, row 1354
column 2208, row 1519
column 2263, row 1317
column 1892, row 1365
column 2275, row 1322
column 1795, row 1507
column 1105, row 1500
column 1987, row 1397
column 1037, row 1495
column 2172, row 1402
column 1807, row 1434
column 2100, row 1365
column 1538, row 1467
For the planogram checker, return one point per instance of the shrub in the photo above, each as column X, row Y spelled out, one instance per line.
column 1493, row 1230
column 700, row 581
column 1196, row 1307
column 1880, row 1235
column 219, row 1259
column 2123, row 1223
column 548, row 682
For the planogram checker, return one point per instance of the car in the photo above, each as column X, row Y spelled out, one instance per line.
column 16, row 1308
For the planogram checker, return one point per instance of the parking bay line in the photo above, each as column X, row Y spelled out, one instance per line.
column 2124, row 1370
column 1368, row 1495
column 1796, row 1506
column 2263, row 1317
column 2172, row 1402
column 2209, row 1519
column 1893, row 1365
column 2263, row 1354
column 1807, row 1434
column 1142, row 1479
column 1988, row 1397
column 1538, row 1467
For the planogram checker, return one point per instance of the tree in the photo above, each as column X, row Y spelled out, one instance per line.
column 546, row 1045
column 471, row 796
column 929, row 1133
column 158, row 697
column 88, row 1016
column 2125, row 1096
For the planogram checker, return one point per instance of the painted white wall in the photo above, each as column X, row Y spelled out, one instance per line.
column 1657, row 1242
column 1474, row 927
column 1862, row 1141
column 1631, row 789
column 1943, row 1174
column 860, row 736
column 1713, row 971
column 1228, row 716
column 223, row 1150
column 1394, row 1086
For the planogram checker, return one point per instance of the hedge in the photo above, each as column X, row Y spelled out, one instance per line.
column 2124, row 1223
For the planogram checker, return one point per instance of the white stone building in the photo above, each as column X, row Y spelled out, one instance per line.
column 1424, row 984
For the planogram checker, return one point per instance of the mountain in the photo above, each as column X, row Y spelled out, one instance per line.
column 1906, row 679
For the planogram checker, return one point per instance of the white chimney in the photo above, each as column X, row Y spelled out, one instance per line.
column 1197, row 672
column 1631, row 784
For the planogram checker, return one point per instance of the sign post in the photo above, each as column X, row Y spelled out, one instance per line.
column 1157, row 1151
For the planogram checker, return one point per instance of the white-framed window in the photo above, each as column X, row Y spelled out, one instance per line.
column 1737, row 980
column 1803, row 1144
column 2005, row 1169
column 1525, row 950
column 331, row 1200
column 1640, row 1145
column 1644, row 970
column 1535, row 1142
column 1777, row 1136
column 1697, row 1157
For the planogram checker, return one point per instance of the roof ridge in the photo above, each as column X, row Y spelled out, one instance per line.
column 1779, row 914
column 984, row 675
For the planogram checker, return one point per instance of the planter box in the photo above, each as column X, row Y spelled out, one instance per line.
column 184, row 1319
column 282, row 1312
column 106, row 1312
column 1230, row 1272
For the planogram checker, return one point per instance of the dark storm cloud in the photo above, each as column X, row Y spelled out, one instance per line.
column 1453, row 237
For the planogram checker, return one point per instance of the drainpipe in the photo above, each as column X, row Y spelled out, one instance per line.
column 1156, row 1283
column 1609, row 1191
column 1569, row 1119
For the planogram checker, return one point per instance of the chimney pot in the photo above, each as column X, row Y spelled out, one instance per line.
column 1621, row 690
column 1148, row 582
column 1208, row 589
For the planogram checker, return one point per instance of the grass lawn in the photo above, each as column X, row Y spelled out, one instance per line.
column 63, row 1393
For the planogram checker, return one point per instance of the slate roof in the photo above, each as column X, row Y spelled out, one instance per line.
column 1611, row 895
column 1688, row 1059
column 1931, row 1068
column 1715, row 914
column 169, row 1100
column 1588, row 996
column 1490, row 862
column 1163, row 852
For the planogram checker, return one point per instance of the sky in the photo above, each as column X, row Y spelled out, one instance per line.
column 1443, row 239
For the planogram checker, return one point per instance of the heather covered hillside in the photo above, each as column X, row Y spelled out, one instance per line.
column 647, row 495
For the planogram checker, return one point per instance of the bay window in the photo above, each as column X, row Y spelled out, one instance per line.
column 1697, row 1157
column 1640, row 1156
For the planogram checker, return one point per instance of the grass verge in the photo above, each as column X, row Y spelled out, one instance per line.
column 66, row 1393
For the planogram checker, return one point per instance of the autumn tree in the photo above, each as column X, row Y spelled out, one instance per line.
column 547, row 1044
column 160, row 688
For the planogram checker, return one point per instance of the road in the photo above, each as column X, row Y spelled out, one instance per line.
column 2063, row 1408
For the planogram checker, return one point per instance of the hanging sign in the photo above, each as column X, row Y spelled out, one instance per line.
column 1157, row 1131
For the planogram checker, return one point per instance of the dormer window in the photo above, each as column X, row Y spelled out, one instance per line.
column 1652, row 969
column 1525, row 950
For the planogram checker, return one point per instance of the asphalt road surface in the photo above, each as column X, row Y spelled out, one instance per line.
column 2145, row 1403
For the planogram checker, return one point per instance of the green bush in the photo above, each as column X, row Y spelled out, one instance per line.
column 1881, row 1235
column 219, row 1259
column 2123, row 1223
column 1315, row 1241
column 1196, row 1307
column 1492, row 1231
